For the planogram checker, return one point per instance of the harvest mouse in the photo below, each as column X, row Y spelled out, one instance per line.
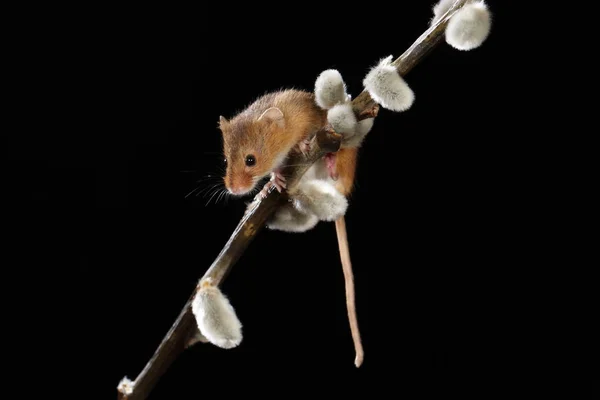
column 256, row 143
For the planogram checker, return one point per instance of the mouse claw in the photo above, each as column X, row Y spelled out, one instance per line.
column 278, row 181
column 265, row 191
column 305, row 146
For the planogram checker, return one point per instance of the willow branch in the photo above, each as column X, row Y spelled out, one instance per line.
column 414, row 54
column 258, row 212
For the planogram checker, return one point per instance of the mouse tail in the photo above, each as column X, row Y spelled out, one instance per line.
column 340, row 227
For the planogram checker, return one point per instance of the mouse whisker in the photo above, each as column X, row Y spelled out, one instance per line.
column 218, row 194
column 193, row 190
column 223, row 195
column 205, row 183
column 209, row 191
column 213, row 195
column 199, row 190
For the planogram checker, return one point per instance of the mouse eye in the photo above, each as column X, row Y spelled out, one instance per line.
column 250, row 160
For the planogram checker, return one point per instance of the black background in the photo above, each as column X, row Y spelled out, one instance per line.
column 131, row 99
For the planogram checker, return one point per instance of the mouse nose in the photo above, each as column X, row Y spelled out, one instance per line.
column 238, row 185
column 237, row 189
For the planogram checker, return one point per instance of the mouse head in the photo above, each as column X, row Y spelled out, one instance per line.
column 250, row 148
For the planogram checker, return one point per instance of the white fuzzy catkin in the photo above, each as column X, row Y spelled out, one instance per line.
column 125, row 386
column 216, row 317
column 386, row 87
column 342, row 118
column 440, row 9
column 289, row 219
column 469, row 27
column 320, row 198
column 330, row 89
column 362, row 128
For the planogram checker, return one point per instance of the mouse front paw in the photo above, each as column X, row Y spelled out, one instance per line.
column 277, row 180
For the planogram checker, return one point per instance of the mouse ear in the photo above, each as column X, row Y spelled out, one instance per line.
column 273, row 114
column 223, row 123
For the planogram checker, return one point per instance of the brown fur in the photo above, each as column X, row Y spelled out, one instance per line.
column 244, row 135
column 345, row 164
